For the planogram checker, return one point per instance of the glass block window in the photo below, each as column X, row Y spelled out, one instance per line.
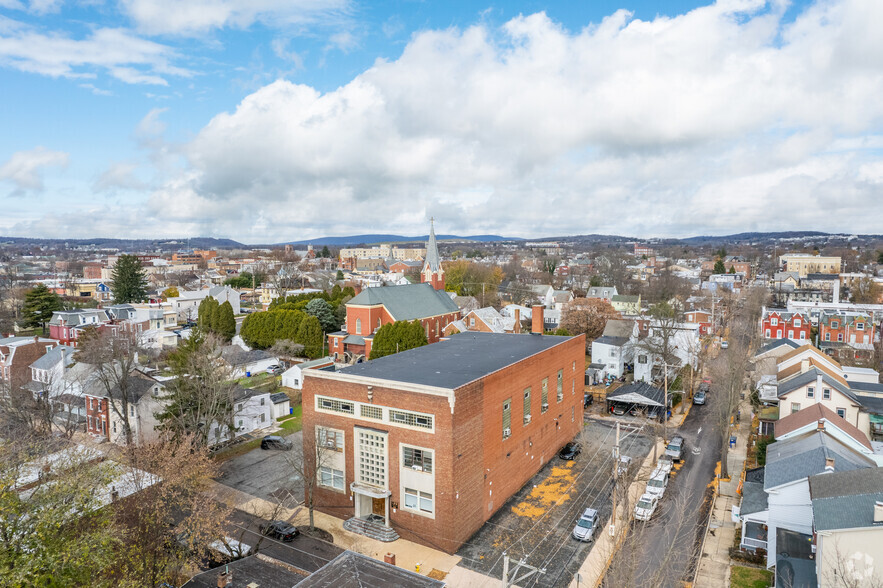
column 372, row 459
column 417, row 459
column 372, row 412
column 336, row 405
column 410, row 418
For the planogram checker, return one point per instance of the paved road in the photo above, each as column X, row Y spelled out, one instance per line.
column 662, row 552
column 266, row 474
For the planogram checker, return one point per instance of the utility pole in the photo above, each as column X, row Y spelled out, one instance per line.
column 615, row 481
column 530, row 571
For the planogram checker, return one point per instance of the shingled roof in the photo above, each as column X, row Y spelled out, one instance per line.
column 407, row 303
column 815, row 413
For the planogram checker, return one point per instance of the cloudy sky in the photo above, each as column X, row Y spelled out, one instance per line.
column 277, row 120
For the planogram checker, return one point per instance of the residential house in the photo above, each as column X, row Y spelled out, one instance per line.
column 105, row 414
column 818, row 417
column 777, row 323
column 92, row 289
column 626, row 305
column 701, row 318
column 253, row 410
column 48, row 382
column 16, row 356
column 543, row 294
column 684, row 342
column 429, row 443
column 785, row 281
column 247, row 362
column 293, row 377
column 405, row 266
column 186, row 305
column 65, row 326
column 561, row 297
column 847, row 335
column 466, row 304
column 372, row 308
column 605, row 293
column 486, row 320
column 612, row 348
column 847, row 510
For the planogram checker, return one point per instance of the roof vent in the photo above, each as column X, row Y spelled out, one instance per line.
column 878, row 512
column 829, row 464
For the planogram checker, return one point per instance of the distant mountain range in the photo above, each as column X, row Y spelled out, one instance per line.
column 131, row 244
column 372, row 239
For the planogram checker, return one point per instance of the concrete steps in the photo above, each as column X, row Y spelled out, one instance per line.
column 372, row 530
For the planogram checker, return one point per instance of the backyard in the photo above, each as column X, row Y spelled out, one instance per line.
column 744, row 577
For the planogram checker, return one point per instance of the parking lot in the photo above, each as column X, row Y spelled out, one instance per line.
column 266, row 474
column 536, row 523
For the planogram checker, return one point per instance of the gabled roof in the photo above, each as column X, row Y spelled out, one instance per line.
column 354, row 570
column 614, row 341
column 793, row 459
column 815, row 413
column 808, row 347
column 754, row 498
column 406, row 303
column 235, row 355
column 775, row 344
column 619, row 328
column 810, row 376
column 845, row 500
column 51, row 358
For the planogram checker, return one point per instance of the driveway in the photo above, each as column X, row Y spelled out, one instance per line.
column 266, row 474
column 537, row 521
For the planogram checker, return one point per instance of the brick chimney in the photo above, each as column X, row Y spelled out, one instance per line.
column 536, row 320
column 517, row 328
column 821, row 425
column 225, row 578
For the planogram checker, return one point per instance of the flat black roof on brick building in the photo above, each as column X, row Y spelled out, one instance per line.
column 463, row 358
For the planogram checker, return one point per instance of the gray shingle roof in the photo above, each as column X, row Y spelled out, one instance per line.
column 800, row 457
column 619, row 328
column 51, row 358
column 808, row 377
column 776, row 343
column 638, row 393
column 463, row 358
column 409, row 302
column 845, row 500
column 615, row 341
column 237, row 356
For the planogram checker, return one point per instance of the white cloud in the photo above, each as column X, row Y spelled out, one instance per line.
column 124, row 56
column 201, row 16
column 45, row 6
column 120, row 175
column 25, row 168
column 723, row 119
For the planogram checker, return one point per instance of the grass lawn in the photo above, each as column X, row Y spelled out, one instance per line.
column 742, row 577
column 291, row 423
column 256, row 380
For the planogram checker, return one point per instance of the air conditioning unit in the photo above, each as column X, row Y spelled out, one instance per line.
column 417, row 468
column 545, row 407
column 507, row 432
column 527, row 419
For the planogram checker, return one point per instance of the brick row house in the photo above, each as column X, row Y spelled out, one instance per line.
column 429, row 443
column 854, row 329
column 778, row 323
column 16, row 356
column 372, row 308
column 66, row 326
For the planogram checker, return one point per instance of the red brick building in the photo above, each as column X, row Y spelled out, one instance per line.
column 66, row 325
column 97, row 415
column 428, row 444
column 92, row 271
column 374, row 307
column 16, row 356
column 854, row 329
column 700, row 317
column 782, row 324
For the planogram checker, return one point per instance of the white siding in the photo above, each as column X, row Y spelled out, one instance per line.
column 790, row 508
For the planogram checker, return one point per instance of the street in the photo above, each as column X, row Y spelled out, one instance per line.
column 664, row 551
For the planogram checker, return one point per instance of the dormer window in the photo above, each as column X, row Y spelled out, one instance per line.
column 774, row 321
column 835, row 325
column 797, row 323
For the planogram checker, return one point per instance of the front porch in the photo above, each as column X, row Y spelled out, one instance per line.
column 372, row 513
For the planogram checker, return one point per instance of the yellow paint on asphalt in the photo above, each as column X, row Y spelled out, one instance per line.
column 547, row 493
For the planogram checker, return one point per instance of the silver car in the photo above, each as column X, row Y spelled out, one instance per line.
column 585, row 526
column 646, row 506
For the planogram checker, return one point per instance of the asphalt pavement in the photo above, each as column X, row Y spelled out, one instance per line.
column 680, row 522
column 266, row 474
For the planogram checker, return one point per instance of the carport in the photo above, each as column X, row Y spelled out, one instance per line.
column 637, row 394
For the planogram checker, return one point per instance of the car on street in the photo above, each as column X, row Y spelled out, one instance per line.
column 699, row 397
column 570, row 451
column 586, row 525
column 675, row 448
column 280, row 530
column 588, row 399
column 665, row 463
column 618, row 409
column 276, row 442
column 275, row 369
column 657, row 483
column 705, row 386
column 646, row 506
column 724, row 345
column 624, row 465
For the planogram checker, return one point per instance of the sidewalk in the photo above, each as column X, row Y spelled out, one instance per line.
column 714, row 562
column 408, row 554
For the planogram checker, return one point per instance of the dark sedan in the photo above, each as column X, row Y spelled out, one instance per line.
column 275, row 442
column 280, row 530
column 570, row 451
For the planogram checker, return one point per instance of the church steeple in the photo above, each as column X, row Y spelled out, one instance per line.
column 432, row 268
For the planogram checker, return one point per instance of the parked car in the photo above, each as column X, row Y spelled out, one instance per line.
column 665, row 463
column 280, row 530
column 624, row 465
column 657, row 483
column 675, row 448
column 276, row 442
column 275, row 369
column 586, row 525
column 705, row 386
column 618, row 409
column 699, row 397
column 646, row 506
column 588, row 399
column 724, row 345
column 570, row 451
column 654, row 413
column 636, row 411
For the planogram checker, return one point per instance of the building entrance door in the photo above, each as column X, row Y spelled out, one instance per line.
column 378, row 506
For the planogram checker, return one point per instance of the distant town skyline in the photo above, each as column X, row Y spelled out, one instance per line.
column 283, row 121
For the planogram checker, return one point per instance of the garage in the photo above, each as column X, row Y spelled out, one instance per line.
column 636, row 398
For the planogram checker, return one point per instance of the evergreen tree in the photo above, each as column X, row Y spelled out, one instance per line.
column 326, row 253
column 216, row 316
column 719, row 267
column 398, row 336
column 206, row 313
column 340, row 272
column 128, row 280
column 732, row 269
column 226, row 321
column 322, row 311
column 309, row 334
column 39, row 305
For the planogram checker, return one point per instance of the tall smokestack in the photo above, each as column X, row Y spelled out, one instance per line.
column 536, row 324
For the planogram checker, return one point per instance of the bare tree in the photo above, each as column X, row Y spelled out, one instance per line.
column 843, row 570
column 314, row 463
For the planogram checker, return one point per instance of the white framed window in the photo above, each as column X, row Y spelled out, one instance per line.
column 331, row 439
column 358, row 326
column 417, row 459
column 331, row 478
column 841, row 412
column 827, row 336
column 335, row 405
column 526, row 405
column 410, row 418
column 795, row 407
column 860, row 326
column 767, row 333
column 642, row 359
column 507, row 418
column 418, row 500
column 797, row 323
column 810, row 392
column 472, row 321
column 826, row 394
column 802, row 335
